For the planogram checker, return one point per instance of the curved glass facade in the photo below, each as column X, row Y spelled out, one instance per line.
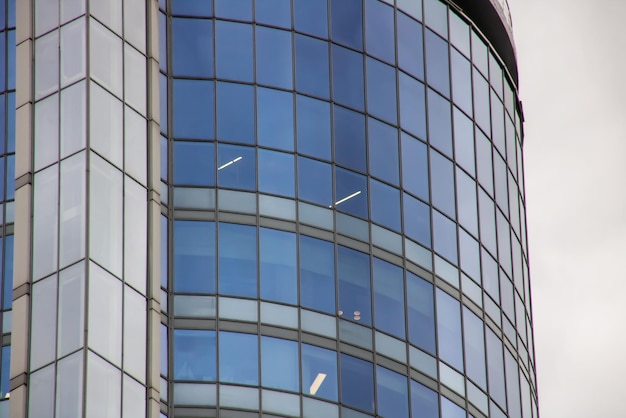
column 342, row 213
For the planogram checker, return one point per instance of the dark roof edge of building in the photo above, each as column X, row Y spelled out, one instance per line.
column 494, row 22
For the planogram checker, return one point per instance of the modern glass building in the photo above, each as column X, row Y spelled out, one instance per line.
column 263, row 208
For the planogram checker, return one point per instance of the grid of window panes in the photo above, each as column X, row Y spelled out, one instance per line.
column 7, row 186
column 392, row 124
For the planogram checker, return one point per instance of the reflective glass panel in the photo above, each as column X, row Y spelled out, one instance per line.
column 278, row 266
column 194, row 110
column 424, row 401
column 381, row 91
column 237, row 260
column 236, row 167
column 275, row 119
column 194, row 355
column 235, row 113
column 388, row 297
column 383, row 151
column 449, row 330
column 312, row 66
column 194, row 163
column 311, row 16
column 385, row 205
column 349, row 135
column 194, row 257
column 315, row 181
column 412, row 106
column 379, row 26
column 410, row 46
column 350, row 192
column 354, row 285
column 347, row 22
column 273, row 51
column 239, row 358
column 392, row 393
column 357, row 383
column 347, row 75
column 319, row 372
column 276, row 173
column 317, row 274
column 273, row 12
column 233, row 46
column 313, row 126
column 279, row 364
column 192, row 46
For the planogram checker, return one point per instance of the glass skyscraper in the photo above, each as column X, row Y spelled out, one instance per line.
column 263, row 208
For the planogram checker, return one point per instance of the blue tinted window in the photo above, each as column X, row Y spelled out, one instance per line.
column 273, row 12
column 275, row 119
column 442, row 180
column 357, row 383
column 348, row 77
column 234, row 9
column 424, row 401
column 416, row 220
column 411, row 7
column 389, row 297
column 392, row 394
column 311, row 16
column 237, row 260
column 481, row 102
column 163, row 99
column 444, row 237
column 11, row 64
column 347, row 22
column 164, row 158
column 354, row 285
column 278, row 266
column 2, row 160
column 279, row 364
column 385, row 205
column 464, row 141
column 192, row 46
column 313, row 124
column 315, row 181
column 381, row 91
column 10, row 139
column 410, row 46
column 470, row 254
column 319, row 372
column 487, row 221
column 436, row 16
column 273, row 57
column 236, row 167
column 466, row 201
column 500, row 177
column 421, row 312
column 451, row 410
column 474, row 348
column 490, row 276
column 7, row 291
column 239, row 358
column 194, row 355
column 194, row 257
column 276, row 173
column 437, row 63
column 349, row 138
column 484, row 161
column 193, row 109
column 495, row 368
column 512, row 385
column 461, row 81
column 414, row 167
column 194, row 163
column 10, row 178
column 504, row 242
column 383, row 151
column 412, row 106
column 350, row 192
column 202, row 8
column 379, row 34
column 317, row 274
column 449, row 330
column 162, row 43
column 235, row 113
column 312, row 66
column 439, row 123
column 234, row 49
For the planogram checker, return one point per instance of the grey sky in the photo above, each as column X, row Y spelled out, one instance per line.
column 572, row 56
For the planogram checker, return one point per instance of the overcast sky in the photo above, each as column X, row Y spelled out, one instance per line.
column 572, row 62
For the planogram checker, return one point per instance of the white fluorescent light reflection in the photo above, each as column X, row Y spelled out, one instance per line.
column 345, row 198
column 317, row 383
column 229, row 163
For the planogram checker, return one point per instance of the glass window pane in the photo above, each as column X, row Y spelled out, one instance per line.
column 234, row 9
column 106, row 128
column 279, row 364
column 317, row 274
column 451, row 410
column 444, row 237
column 442, row 179
column 72, row 208
column 459, row 34
column 415, row 167
column 379, row 27
column 273, row 12
column 347, row 22
column 411, row 7
column 278, row 266
column 273, row 51
column 381, row 91
column 313, row 125
column 194, row 355
column 412, row 106
column 46, row 15
column 319, row 372
column 276, row 173
column 193, row 111
column 192, row 47
column 474, row 348
column 416, row 220
column 237, row 260
column 106, row 215
column 135, row 143
column 105, row 295
column 312, row 66
column 311, row 16
column 72, row 52
column 106, row 65
column 410, row 45
column 233, row 47
column 135, row 84
column 495, row 368
column 436, row 16
column 464, row 141
column 482, row 110
column 133, row 399
column 46, row 65
column 383, row 151
column 275, row 119
column 43, row 328
column 194, row 163
column 45, row 222
column 466, row 201
column 389, row 297
column 201, row 8
column 69, row 394
column 392, row 394
column 135, row 24
column 135, row 334
column 461, row 81
column 421, row 312
column 349, row 135
column 236, row 167
column 239, row 358
column 449, row 330
column 103, row 388
column 437, row 63
column 41, row 393
column 357, row 383
column 73, row 119
column 385, row 205
column 235, row 113
column 135, row 235
column 46, row 131
column 439, row 123
column 109, row 12
column 354, row 285
column 347, row 75
column 350, row 192
column 71, row 309
column 194, row 257
column 314, row 181
column 424, row 402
